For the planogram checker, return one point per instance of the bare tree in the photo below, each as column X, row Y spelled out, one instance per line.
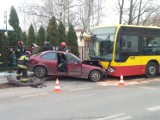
column 98, row 12
column 138, row 11
column 155, row 20
column 48, row 8
column 130, row 12
column 84, row 13
column 90, row 13
column 152, row 16
column 120, row 4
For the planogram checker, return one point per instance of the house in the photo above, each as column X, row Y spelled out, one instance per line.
column 83, row 43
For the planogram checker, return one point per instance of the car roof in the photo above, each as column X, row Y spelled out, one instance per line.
column 60, row 52
column 54, row 51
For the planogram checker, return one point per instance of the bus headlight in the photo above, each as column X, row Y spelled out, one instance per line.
column 110, row 69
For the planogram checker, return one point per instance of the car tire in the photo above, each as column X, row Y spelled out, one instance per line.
column 95, row 75
column 151, row 70
column 40, row 71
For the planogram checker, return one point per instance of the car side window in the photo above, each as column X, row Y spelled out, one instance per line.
column 49, row 56
column 70, row 58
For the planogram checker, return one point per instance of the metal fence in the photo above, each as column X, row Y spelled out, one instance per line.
column 83, row 51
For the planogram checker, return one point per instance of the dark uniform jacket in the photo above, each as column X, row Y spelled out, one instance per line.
column 65, row 49
column 18, row 51
column 48, row 46
column 23, row 60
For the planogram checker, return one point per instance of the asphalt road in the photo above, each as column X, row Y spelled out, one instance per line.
column 84, row 100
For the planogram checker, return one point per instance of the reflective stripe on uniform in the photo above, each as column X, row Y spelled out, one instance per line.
column 18, row 75
column 22, row 66
column 24, row 80
column 23, row 58
column 26, row 58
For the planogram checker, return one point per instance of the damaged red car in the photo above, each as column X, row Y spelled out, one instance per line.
column 65, row 64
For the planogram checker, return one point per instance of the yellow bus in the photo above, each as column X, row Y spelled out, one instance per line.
column 127, row 50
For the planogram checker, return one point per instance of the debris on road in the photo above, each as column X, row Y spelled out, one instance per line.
column 34, row 82
column 136, row 81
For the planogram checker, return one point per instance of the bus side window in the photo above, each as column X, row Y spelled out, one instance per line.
column 151, row 45
column 123, row 49
column 129, row 44
column 122, row 42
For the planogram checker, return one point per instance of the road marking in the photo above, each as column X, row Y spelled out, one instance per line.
column 154, row 108
column 149, row 88
column 120, row 116
column 33, row 95
column 78, row 89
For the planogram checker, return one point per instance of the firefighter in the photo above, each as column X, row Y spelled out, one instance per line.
column 13, row 60
column 63, row 47
column 22, row 66
column 19, row 49
column 62, row 62
column 48, row 46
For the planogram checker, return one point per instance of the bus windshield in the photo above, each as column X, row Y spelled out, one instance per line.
column 101, row 47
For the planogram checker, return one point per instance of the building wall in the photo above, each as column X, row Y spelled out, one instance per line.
column 83, row 45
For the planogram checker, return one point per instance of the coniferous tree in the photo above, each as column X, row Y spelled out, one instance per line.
column 52, row 32
column 24, row 38
column 20, row 33
column 41, row 36
column 14, row 22
column 5, row 41
column 31, row 35
column 72, row 40
column 62, row 33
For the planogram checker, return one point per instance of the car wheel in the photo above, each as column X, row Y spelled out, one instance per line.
column 40, row 71
column 151, row 70
column 95, row 75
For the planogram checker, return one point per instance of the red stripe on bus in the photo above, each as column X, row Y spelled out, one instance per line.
column 127, row 70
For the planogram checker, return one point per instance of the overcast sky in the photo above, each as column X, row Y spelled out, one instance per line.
column 6, row 5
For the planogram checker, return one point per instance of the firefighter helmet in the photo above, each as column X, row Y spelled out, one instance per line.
column 20, row 42
column 63, row 44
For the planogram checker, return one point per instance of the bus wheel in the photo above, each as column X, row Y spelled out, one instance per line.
column 95, row 75
column 151, row 70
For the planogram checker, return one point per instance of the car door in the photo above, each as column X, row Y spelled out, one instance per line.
column 50, row 62
column 74, row 66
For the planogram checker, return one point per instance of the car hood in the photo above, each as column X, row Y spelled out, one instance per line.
column 92, row 63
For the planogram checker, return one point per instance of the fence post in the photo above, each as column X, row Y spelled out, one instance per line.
column 82, row 54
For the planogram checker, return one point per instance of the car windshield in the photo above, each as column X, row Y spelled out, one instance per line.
column 101, row 46
column 72, row 58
